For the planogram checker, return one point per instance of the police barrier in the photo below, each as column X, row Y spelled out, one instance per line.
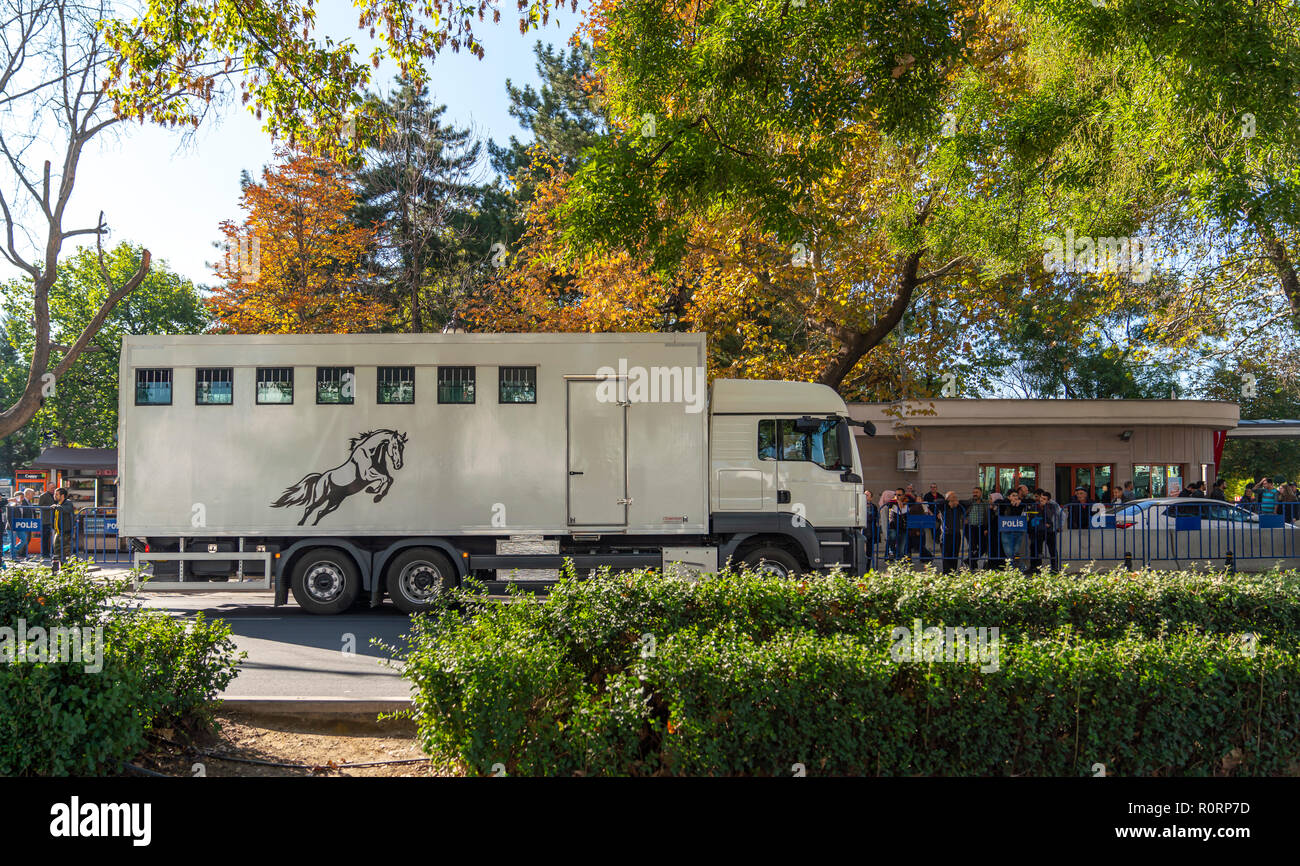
column 1146, row 533
column 35, row 532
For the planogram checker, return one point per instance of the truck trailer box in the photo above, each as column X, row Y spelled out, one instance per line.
column 396, row 434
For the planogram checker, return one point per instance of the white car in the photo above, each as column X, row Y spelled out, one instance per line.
column 1213, row 514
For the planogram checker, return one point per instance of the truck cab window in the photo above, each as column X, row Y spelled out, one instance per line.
column 766, row 440
column 794, row 445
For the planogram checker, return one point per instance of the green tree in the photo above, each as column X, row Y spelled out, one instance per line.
column 564, row 117
column 1255, row 385
column 80, row 408
column 418, row 191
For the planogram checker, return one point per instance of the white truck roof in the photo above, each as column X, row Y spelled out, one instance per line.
column 757, row 396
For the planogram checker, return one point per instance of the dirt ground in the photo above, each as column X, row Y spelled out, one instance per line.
column 261, row 746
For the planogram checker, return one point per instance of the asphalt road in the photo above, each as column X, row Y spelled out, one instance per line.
column 293, row 654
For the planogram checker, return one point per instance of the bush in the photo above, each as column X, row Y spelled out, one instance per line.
column 741, row 673
column 83, row 714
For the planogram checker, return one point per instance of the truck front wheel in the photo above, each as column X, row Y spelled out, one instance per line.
column 417, row 576
column 325, row 581
column 773, row 561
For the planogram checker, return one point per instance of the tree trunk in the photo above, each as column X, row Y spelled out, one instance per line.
column 854, row 345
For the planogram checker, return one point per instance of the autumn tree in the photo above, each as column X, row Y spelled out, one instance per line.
column 295, row 263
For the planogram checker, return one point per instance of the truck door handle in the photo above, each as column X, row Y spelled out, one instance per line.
column 571, row 472
column 782, row 496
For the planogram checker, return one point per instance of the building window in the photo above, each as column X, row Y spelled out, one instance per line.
column 518, row 385
column 275, row 385
column 153, row 387
column 396, row 384
column 1153, row 479
column 335, row 385
column 455, row 384
column 1003, row 477
column 214, row 386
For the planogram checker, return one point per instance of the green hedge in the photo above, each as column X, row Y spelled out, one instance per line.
column 69, row 718
column 744, row 674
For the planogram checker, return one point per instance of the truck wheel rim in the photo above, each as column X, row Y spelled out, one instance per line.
column 420, row 581
column 324, row 582
column 767, row 566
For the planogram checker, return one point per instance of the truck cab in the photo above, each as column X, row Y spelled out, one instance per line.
column 785, row 476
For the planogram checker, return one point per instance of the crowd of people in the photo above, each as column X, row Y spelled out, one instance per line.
column 970, row 531
column 1268, row 496
column 58, row 515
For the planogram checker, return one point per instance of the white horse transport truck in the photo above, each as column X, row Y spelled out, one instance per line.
column 346, row 468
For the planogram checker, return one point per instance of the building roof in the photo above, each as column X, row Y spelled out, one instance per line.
column 76, row 458
column 1214, row 414
column 1266, row 428
column 747, row 396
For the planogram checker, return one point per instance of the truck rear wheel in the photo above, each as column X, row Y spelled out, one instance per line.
column 325, row 581
column 417, row 576
column 773, row 561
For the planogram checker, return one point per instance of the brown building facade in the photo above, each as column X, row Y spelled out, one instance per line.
column 1055, row 444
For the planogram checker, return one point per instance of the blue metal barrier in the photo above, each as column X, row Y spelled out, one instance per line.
column 92, row 535
column 1177, row 536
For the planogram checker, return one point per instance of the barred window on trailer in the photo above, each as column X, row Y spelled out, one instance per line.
column 396, row 384
column 153, row 386
column 518, row 385
column 214, row 386
column 455, row 384
column 275, row 385
column 335, row 385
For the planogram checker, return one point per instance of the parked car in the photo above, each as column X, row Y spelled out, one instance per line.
column 1164, row 514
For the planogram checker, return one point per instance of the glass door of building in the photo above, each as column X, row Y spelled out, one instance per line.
column 1096, row 478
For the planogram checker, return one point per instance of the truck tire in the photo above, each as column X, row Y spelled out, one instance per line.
column 325, row 581
column 773, row 561
column 417, row 576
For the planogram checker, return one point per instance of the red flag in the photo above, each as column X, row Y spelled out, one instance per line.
column 1220, row 436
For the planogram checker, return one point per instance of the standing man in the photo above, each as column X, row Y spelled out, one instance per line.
column 65, row 515
column 952, row 527
column 1267, row 496
column 1079, row 509
column 872, row 520
column 977, row 525
column 19, row 540
column 1217, row 492
column 1012, row 541
column 933, row 499
column 43, row 510
column 1049, row 514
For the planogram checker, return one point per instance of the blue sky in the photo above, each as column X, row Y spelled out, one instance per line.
column 170, row 195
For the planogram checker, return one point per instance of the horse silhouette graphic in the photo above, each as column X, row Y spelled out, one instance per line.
column 365, row 469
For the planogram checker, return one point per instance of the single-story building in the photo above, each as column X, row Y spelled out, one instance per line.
column 90, row 474
column 958, row 444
